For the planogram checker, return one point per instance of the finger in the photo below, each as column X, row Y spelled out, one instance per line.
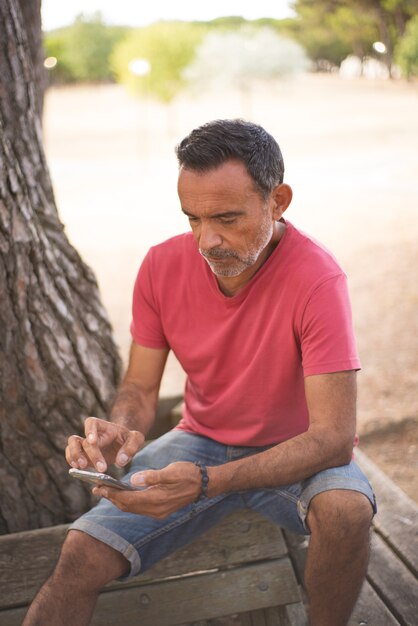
column 93, row 452
column 90, row 429
column 133, row 440
column 74, row 452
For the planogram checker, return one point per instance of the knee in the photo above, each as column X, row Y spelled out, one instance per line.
column 342, row 513
column 87, row 563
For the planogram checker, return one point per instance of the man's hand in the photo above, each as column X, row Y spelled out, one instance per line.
column 168, row 490
column 105, row 443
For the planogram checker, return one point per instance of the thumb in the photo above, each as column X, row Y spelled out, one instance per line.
column 146, row 478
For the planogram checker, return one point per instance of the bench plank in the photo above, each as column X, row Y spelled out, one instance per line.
column 26, row 560
column 242, row 537
column 295, row 614
column 257, row 618
column 214, row 594
column 209, row 595
column 393, row 582
column 397, row 518
column 288, row 615
column 370, row 610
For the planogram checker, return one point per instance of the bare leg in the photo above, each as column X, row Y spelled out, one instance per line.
column 338, row 555
column 69, row 596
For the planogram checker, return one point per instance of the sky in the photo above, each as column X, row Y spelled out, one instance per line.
column 56, row 13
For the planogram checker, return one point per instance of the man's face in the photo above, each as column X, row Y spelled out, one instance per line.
column 231, row 222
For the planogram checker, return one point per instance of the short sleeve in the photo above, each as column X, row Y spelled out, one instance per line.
column 327, row 337
column 146, row 327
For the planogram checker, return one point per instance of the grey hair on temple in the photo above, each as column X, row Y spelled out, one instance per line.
column 209, row 146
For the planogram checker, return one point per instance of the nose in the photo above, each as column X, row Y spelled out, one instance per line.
column 207, row 237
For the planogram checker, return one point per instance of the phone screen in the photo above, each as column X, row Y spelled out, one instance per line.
column 97, row 478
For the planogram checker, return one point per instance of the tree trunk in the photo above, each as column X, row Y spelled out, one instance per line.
column 383, row 23
column 32, row 24
column 58, row 362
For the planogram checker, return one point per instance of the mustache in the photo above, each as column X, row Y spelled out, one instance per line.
column 218, row 253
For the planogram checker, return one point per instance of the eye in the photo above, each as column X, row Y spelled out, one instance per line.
column 192, row 219
column 227, row 220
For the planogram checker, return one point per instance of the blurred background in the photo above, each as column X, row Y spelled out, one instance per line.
column 336, row 84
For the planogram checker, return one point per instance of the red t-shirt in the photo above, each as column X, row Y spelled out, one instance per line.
column 246, row 356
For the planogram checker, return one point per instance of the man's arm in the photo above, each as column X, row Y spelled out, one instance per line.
column 131, row 417
column 331, row 400
column 136, row 400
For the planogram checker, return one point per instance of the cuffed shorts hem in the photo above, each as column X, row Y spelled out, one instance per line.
column 113, row 540
column 331, row 483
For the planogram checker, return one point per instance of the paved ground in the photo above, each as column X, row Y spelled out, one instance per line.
column 350, row 153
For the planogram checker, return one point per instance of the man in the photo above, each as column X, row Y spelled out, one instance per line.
column 258, row 315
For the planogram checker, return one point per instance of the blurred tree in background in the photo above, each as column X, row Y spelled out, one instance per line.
column 237, row 58
column 331, row 35
column 329, row 28
column 83, row 49
column 407, row 50
column 328, row 31
column 168, row 47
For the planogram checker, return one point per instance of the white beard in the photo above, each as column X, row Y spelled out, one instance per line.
column 238, row 264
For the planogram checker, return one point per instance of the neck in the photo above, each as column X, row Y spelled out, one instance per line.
column 231, row 285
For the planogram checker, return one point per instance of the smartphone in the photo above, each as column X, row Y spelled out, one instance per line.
column 97, row 478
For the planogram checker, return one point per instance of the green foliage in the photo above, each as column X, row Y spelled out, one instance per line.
column 83, row 49
column 89, row 50
column 332, row 29
column 406, row 53
column 168, row 47
column 333, row 34
column 228, row 22
column 55, row 46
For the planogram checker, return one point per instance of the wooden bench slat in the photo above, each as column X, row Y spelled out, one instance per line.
column 241, row 588
column 257, row 618
column 397, row 517
column 288, row 615
column 370, row 610
column 26, row 560
column 393, row 582
column 295, row 615
column 239, row 538
column 166, row 603
column 228, row 620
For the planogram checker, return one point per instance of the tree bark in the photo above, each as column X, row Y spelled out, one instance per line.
column 58, row 361
column 32, row 24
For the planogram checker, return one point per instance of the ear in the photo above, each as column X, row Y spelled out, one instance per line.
column 281, row 197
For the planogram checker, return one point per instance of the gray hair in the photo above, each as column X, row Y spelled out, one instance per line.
column 209, row 146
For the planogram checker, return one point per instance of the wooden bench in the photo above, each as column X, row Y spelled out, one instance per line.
column 240, row 568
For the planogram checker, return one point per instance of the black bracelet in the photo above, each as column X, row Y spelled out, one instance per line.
column 205, row 481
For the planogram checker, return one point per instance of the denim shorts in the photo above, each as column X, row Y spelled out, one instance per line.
column 143, row 541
